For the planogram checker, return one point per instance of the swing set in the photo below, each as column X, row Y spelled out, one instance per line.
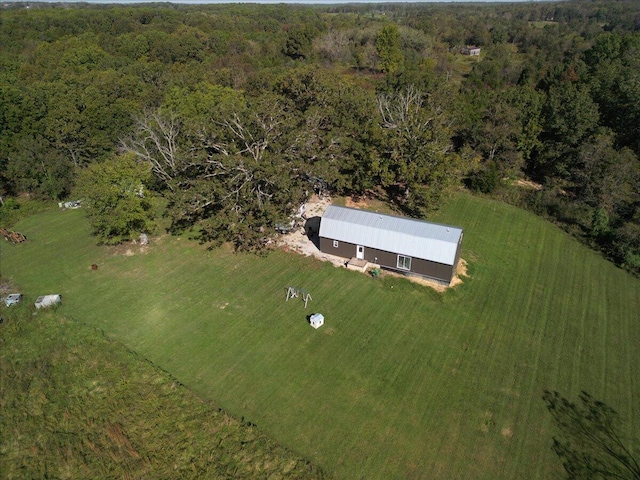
column 294, row 292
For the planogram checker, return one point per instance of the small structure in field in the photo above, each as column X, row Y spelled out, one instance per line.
column 12, row 299
column 45, row 301
column 402, row 244
column 471, row 50
column 316, row 320
column 72, row 204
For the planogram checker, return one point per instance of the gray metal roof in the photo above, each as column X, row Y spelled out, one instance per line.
column 406, row 236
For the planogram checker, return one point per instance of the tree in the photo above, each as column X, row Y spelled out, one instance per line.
column 614, row 77
column 114, row 195
column 502, row 127
column 569, row 117
column 240, row 184
column 496, row 70
column 589, row 444
column 229, row 176
column 155, row 142
column 388, row 49
column 298, row 44
column 34, row 167
column 416, row 150
column 336, row 129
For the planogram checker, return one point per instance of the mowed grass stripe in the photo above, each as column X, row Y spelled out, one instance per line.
column 619, row 331
column 550, row 304
column 546, row 284
column 401, row 382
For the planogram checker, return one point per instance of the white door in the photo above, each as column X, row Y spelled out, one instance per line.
column 360, row 252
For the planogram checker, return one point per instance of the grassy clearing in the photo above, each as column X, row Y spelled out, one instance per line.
column 13, row 210
column 400, row 382
column 77, row 405
column 462, row 66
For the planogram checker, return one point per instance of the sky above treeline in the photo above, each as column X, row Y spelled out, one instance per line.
column 324, row 2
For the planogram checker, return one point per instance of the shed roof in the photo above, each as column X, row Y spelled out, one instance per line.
column 406, row 236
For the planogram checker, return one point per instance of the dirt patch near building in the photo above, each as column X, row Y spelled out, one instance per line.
column 316, row 206
column 461, row 272
column 297, row 240
column 356, row 202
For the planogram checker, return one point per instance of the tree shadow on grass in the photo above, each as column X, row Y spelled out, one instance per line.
column 589, row 445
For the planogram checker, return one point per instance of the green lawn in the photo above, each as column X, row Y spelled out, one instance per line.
column 76, row 405
column 401, row 382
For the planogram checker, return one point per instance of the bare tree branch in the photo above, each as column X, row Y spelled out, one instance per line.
column 155, row 142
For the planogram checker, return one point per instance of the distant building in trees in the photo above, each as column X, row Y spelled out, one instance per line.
column 471, row 50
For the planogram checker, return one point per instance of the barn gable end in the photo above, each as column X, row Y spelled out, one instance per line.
column 403, row 244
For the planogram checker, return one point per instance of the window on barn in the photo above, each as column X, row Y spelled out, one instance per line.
column 335, row 244
column 404, row 263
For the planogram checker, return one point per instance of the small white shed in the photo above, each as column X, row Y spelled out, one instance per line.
column 45, row 301
column 316, row 320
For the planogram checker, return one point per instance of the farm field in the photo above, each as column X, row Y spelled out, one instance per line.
column 401, row 382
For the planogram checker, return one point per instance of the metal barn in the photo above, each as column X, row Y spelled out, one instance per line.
column 397, row 243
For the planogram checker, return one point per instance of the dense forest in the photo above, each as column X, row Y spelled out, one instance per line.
column 235, row 114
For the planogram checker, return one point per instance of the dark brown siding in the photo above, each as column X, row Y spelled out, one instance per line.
column 436, row 270
column 345, row 250
column 389, row 260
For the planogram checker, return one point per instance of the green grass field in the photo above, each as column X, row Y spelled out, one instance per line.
column 74, row 404
column 401, row 382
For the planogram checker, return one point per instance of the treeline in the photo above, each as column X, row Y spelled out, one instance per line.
column 239, row 112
